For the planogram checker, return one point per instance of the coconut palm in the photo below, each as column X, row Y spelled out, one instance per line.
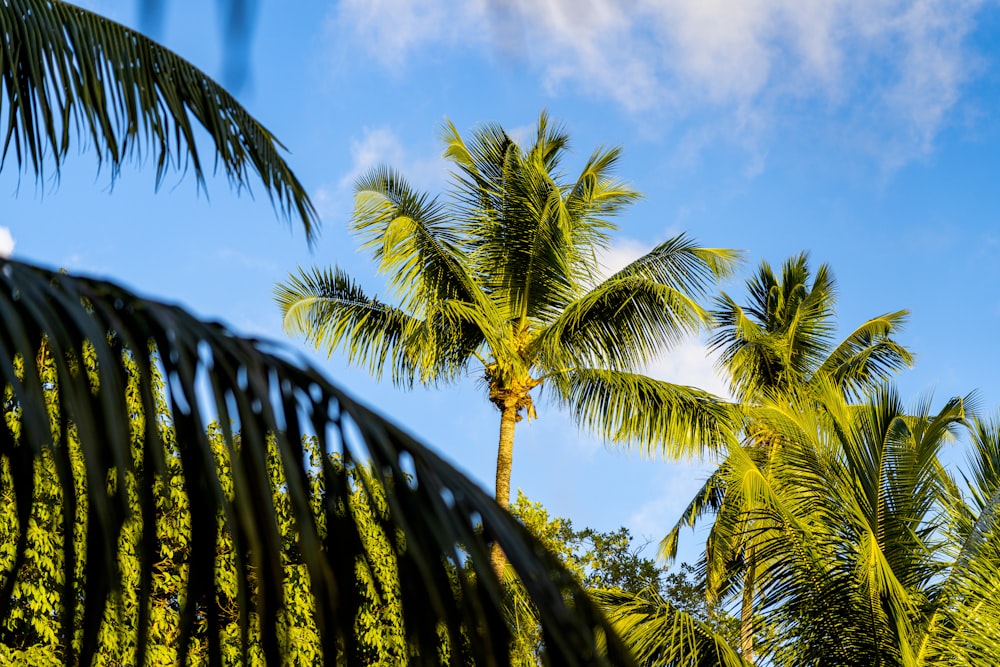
column 871, row 554
column 502, row 276
column 78, row 362
column 781, row 344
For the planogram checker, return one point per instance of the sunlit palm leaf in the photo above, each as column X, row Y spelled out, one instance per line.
column 707, row 501
column 440, row 524
column 666, row 419
column 623, row 323
column 662, row 636
column 330, row 310
column 627, row 318
column 964, row 628
column 412, row 239
column 67, row 71
column 869, row 355
column 681, row 263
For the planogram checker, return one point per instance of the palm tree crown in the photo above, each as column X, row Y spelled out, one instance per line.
column 504, row 273
column 784, row 338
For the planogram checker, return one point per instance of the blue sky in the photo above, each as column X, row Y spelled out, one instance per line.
column 861, row 131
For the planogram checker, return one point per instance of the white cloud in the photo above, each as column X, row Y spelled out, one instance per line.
column 393, row 28
column 6, row 242
column 692, row 364
column 895, row 67
column 619, row 254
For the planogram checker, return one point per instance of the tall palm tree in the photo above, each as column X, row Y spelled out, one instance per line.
column 64, row 70
column 782, row 344
column 502, row 275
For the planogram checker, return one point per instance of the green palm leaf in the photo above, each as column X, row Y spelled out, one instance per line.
column 627, row 408
column 868, row 355
column 660, row 635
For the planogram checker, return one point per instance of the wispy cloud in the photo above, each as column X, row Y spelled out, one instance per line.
column 893, row 68
column 378, row 146
column 692, row 364
column 6, row 242
column 242, row 260
column 658, row 515
column 393, row 29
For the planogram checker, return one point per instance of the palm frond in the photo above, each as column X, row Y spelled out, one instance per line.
column 331, row 310
column 68, row 71
column 681, row 263
column 637, row 411
column 413, row 240
column 626, row 319
column 868, row 355
column 533, row 233
column 964, row 625
column 621, row 324
column 708, row 500
column 660, row 635
column 440, row 525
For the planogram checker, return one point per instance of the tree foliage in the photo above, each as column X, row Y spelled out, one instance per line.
column 780, row 346
column 635, row 592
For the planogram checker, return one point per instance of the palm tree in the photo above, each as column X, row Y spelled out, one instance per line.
column 64, row 70
column 781, row 344
column 869, row 552
column 503, row 275
column 872, row 554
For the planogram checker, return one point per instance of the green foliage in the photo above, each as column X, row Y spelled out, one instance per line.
column 611, row 567
column 868, row 551
column 780, row 346
column 33, row 632
column 97, row 452
column 599, row 559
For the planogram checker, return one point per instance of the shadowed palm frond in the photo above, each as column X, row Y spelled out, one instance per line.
column 439, row 524
column 68, row 71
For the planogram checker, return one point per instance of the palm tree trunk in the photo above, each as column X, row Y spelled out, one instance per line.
column 746, row 609
column 505, row 461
